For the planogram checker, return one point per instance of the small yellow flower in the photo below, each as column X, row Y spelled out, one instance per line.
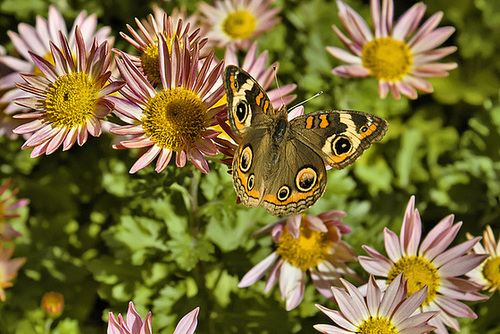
column 53, row 304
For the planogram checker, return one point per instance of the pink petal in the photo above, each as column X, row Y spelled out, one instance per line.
column 349, row 308
column 258, row 271
column 454, row 307
column 329, row 329
column 338, row 318
column 343, row 55
column 163, row 160
column 188, row 323
column 293, row 225
column 291, row 285
column 374, row 267
column 145, row 159
column 134, row 320
column 431, row 40
column 315, row 223
column 392, row 246
column 273, row 275
column 462, row 265
column 439, row 238
column 351, row 71
column 408, row 22
column 198, row 160
column 373, row 296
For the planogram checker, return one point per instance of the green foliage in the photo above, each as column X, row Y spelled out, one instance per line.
column 177, row 240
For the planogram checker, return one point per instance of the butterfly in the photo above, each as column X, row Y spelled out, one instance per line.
column 280, row 164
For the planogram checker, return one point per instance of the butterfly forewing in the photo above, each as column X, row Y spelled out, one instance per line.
column 339, row 136
column 246, row 100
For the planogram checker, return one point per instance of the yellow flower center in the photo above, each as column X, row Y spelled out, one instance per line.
column 377, row 325
column 71, row 100
column 419, row 272
column 387, row 58
column 307, row 251
column 151, row 64
column 174, row 118
column 239, row 25
column 150, row 59
column 491, row 271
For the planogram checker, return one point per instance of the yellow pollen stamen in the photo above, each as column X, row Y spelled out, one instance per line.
column 387, row 58
column 71, row 100
column 151, row 64
column 491, row 271
column 378, row 325
column 305, row 252
column 239, row 25
column 419, row 272
column 174, row 118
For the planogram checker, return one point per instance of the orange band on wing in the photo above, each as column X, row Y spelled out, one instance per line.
column 309, row 122
column 324, row 121
column 370, row 130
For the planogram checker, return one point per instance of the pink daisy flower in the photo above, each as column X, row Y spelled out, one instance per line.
column 177, row 118
column 37, row 40
column 69, row 99
column 136, row 325
column 488, row 273
column 237, row 21
column 388, row 311
column 146, row 41
column 429, row 263
column 9, row 268
column 7, row 205
column 400, row 57
column 305, row 243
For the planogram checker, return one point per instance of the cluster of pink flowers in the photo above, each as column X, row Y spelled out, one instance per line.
column 167, row 100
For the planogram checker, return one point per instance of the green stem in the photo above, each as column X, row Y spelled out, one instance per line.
column 48, row 325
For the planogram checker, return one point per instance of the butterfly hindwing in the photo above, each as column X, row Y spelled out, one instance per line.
column 294, row 184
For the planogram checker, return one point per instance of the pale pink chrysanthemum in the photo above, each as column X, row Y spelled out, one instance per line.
column 176, row 119
column 134, row 324
column 69, row 99
column 305, row 243
column 256, row 66
column 429, row 263
column 8, row 268
column 7, row 205
column 400, row 57
column 145, row 40
column 37, row 40
column 488, row 273
column 388, row 311
column 237, row 22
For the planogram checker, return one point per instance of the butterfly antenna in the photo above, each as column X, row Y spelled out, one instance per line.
column 306, row 100
column 275, row 70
